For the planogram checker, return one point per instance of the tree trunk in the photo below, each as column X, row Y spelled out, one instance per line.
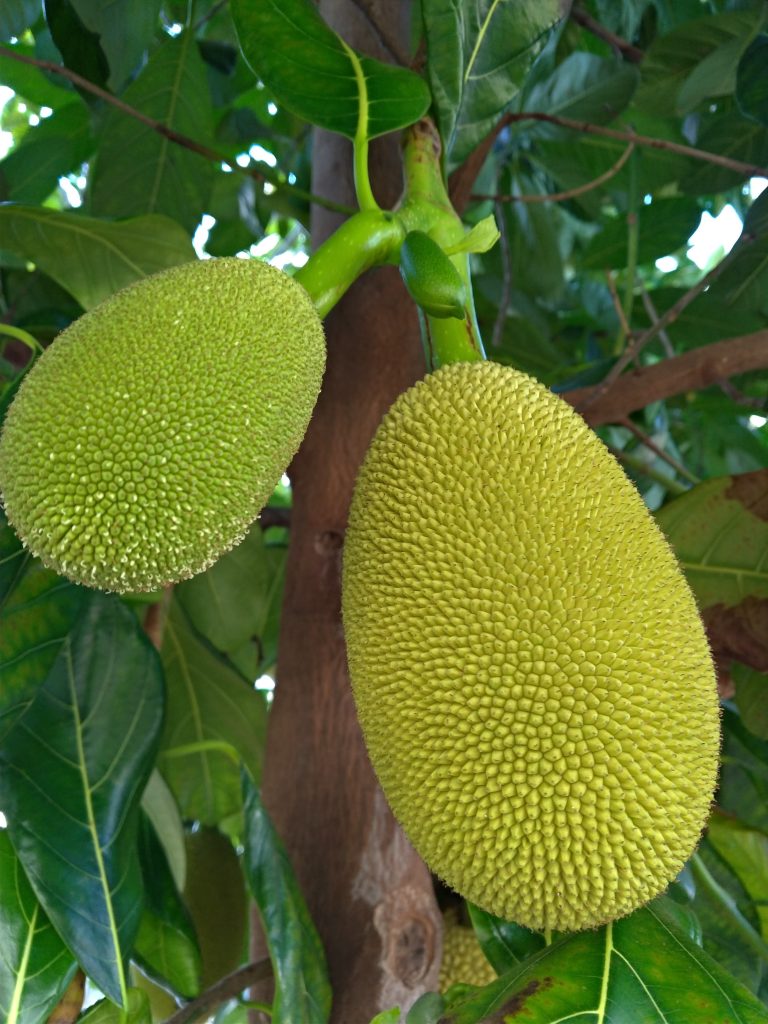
column 370, row 895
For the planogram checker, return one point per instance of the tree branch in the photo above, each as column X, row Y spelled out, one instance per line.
column 226, row 988
column 657, row 450
column 748, row 170
column 168, row 133
column 626, row 49
column 699, row 368
column 638, row 344
column 571, row 193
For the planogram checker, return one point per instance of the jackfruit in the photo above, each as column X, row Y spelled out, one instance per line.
column 530, row 671
column 147, row 438
column 464, row 962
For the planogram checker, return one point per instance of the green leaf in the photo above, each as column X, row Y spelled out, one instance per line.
column 37, row 611
column 28, row 81
column 752, row 81
column 137, row 170
column 590, row 977
column 427, row 1009
column 745, row 850
column 79, row 47
column 92, row 258
column 125, row 28
column 214, row 718
column 16, row 16
column 315, row 75
column 662, row 226
column 387, row 1016
column 742, row 285
column 534, row 237
column 729, row 135
column 229, row 603
column 729, row 924
column 751, row 694
column 73, row 767
column 673, row 59
column 35, row 965
column 479, row 52
column 719, row 531
column 216, row 897
column 162, row 810
column 137, row 1011
column 504, row 943
column 302, row 991
column 715, row 75
column 165, row 946
column 483, row 236
column 585, row 87
column 58, row 145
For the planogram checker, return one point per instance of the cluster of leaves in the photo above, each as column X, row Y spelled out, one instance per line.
column 129, row 775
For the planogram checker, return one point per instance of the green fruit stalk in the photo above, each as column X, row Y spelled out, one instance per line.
column 148, row 437
column 530, row 670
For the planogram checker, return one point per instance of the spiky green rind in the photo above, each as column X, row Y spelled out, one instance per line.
column 464, row 962
column 530, row 670
column 149, row 435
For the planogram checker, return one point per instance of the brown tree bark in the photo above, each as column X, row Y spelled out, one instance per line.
column 370, row 895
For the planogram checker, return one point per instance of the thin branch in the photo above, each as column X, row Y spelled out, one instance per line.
column 228, row 987
column 571, row 193
column 506, row 281
column 625, row 328
column 173, row 136
column 639, row 343
column 210, row 14
column 653, row 316
column 388, row 42
column 640, row 466
column 748, row 170
column 651, row 445
column 730, row 390
column 700, row 368
column 626, row 49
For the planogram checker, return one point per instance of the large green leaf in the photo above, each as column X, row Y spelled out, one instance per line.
column 662, row 228
column 671, row 76
column 585, row 87
column 79, row 47
column 230, row 603
column 57, row 146
column 35, row 965
column 165, row 946
column 719, row 531
column 137, row 170
column 728, row 134
column 124, row 27
column 504, row 943
column 28, row 81
column 752, row 81
column 92, row 258
column 746, row 851
column 73, row 767
column 213, row 718
column 106, row 1012
column 313, row 73
column 302, row 992
column 37, row 611
column 638, row 970
column 479, row 52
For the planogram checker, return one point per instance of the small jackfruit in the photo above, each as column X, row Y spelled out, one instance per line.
column 530, row 671
column 147, row 438
column 464, row 962
column 431, row 279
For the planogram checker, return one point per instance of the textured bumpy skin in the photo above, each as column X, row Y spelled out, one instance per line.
column 463, row 959
column 150, row 434
column 531, row 674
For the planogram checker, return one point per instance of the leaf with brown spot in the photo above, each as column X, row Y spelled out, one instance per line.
column 719, row 531
column 631, row 970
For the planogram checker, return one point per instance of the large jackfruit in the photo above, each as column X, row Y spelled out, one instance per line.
column 464, row 962
column 530, row 670
column 149, row 435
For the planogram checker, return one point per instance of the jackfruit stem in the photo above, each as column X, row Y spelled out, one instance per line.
column 367, row 239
